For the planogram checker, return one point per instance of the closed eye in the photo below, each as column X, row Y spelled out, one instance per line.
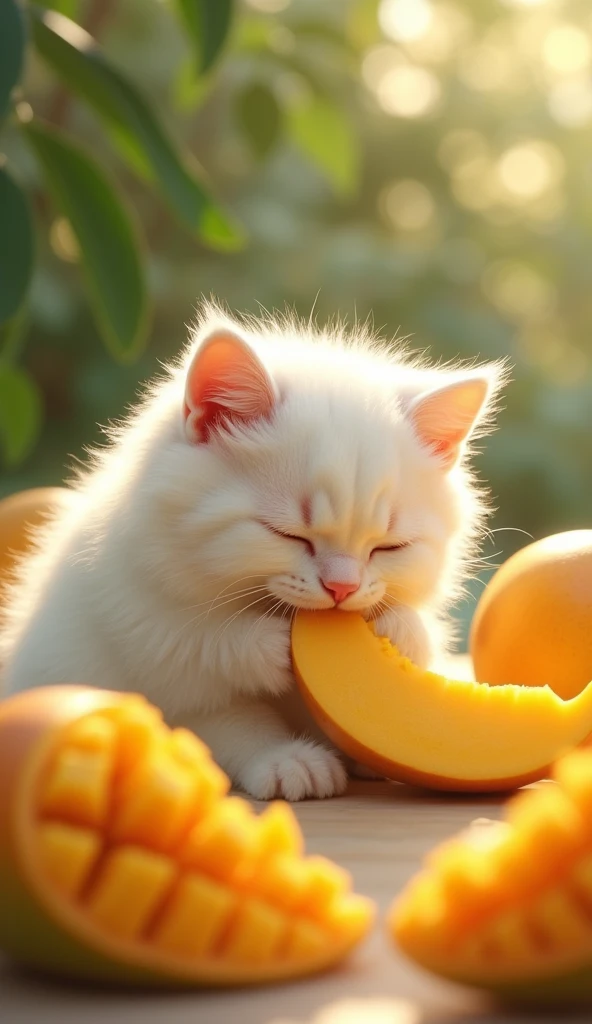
column 392, row 547
column 290, row 536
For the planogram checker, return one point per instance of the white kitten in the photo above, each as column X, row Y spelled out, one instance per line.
column 274, row 468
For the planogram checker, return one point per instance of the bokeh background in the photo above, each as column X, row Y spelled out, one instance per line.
column 425, row 162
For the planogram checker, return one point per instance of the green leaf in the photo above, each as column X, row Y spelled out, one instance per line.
column 323, row 133
column 12, row 50
column 67, row 7
column 208, row 23
column 21, row 413
column 13, row 334
column 260, row 118
column 16, row 246
column 188, row 90
column 108, row 241
column 133, row 125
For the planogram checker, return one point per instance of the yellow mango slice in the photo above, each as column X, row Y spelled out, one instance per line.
column 123, row 858
column 420, row 727
column 524, row 932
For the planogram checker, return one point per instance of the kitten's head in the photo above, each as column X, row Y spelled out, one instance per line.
column 328, row 470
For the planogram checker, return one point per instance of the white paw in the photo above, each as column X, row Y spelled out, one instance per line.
column 294, row 770
column 405, row 629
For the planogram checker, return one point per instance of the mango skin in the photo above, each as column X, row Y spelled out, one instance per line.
column 532, row 621
column 18, row 514
column 27, row 932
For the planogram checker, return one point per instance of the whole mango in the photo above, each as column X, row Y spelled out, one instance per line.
column 21, row 512
column 533, row 624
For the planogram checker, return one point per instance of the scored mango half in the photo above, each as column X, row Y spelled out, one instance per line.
column 420, row 727
column 507, row 906
column 123, row 858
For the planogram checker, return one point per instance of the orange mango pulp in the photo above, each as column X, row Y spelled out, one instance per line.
column 123, row 859
column 508, row 908
column 420, row 727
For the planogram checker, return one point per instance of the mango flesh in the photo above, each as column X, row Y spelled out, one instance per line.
column 21, row 512
column 419, row 727
column 122, row 857
column 532, row 623
column 508, row 908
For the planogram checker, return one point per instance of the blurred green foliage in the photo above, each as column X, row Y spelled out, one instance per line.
column 427, row 162
column 102, row 229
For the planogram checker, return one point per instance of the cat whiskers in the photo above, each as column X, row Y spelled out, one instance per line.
column 508, row 529
column 476, row 566
column 232, row 600
column 221, row 593
column 228, row 622
column 268, row 613
column 214, row 604
column 289, row 610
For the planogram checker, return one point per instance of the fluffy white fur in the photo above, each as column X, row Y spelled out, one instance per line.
column 167, row 571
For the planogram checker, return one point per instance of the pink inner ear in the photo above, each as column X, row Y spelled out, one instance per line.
column 446, row 447
column 226, row 383
column 444, row 418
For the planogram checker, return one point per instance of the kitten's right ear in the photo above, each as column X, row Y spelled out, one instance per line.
column 226, row 383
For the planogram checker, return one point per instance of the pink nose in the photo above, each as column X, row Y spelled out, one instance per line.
column 341, row 590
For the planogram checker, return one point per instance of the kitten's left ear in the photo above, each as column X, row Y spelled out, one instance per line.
column 226, row 382
column 444, row 418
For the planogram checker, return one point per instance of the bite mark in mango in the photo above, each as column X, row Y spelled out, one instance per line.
column 420, row 727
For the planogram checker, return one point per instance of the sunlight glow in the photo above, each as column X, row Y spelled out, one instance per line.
column 63, row 241
column 570, row 102
column 408, row 205
column 449, row 28
column 566, row 50
column 373, row 1010
column 518, row 290
column 408, row 91
column 24, row 112
column 370, row 1011
column 528, row 170
column 402, row 20
column 377, row 62
column 72, row 33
